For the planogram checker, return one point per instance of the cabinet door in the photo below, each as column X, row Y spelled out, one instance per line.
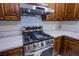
column 70, row 12
column 64, row 11
column 1, row 11
column 52, row 15
column 71, row 49
column 57, row 45
column 77, row 11
column 60, row 10
column 11, row 11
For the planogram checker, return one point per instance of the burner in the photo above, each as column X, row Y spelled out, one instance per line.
column 27, row 38
column 34, row 36
column 40, row 35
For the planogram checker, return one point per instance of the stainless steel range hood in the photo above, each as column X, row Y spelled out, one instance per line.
column 36, row 9
column 46, row 9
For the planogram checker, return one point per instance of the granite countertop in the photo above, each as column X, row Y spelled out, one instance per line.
column 11, row 36
column 57, row 33
column 8, row 43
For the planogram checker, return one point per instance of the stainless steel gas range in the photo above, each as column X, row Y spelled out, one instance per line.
column 36, row 42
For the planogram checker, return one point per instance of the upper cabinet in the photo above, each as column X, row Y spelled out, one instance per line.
column 64, row 11
column 70, row 11
column 51, row 16
column 10, row 11
column 60, row 9
column 1, row 12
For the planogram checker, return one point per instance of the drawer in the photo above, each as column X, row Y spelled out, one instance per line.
column 12, row 52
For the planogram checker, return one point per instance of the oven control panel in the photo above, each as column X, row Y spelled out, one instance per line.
column 37, row 46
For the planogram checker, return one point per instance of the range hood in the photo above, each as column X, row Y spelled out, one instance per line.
column 42, row 8
column 36, row 10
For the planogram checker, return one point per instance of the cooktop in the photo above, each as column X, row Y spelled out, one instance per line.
column 34, row 37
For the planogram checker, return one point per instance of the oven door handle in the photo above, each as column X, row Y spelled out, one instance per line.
column 43, row 49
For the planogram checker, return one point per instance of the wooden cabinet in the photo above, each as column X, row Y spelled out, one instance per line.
column 58, row 45
column 64, row 12
column 69, row 11
column 13, row 52
column 1, row 12
column 52, row 15
column 66, row 46
column 71, row 47
column 58, row 11
column 11, row 11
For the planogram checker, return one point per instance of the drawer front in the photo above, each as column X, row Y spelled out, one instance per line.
column 71, row 48
column 73, row 43
column 17, row 51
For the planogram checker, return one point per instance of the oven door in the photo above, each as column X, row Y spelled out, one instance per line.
column 48, row 51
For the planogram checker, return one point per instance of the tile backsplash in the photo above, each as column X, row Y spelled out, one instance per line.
column 70, row 26
column 31, row 20
column 50, row 25
column 10, row 26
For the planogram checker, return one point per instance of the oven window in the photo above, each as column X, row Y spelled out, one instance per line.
column 47, row 52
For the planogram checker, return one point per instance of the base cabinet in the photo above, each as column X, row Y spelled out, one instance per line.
column 58, row 46
column 71, row 47
column 66, row 46
column 13, row 52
